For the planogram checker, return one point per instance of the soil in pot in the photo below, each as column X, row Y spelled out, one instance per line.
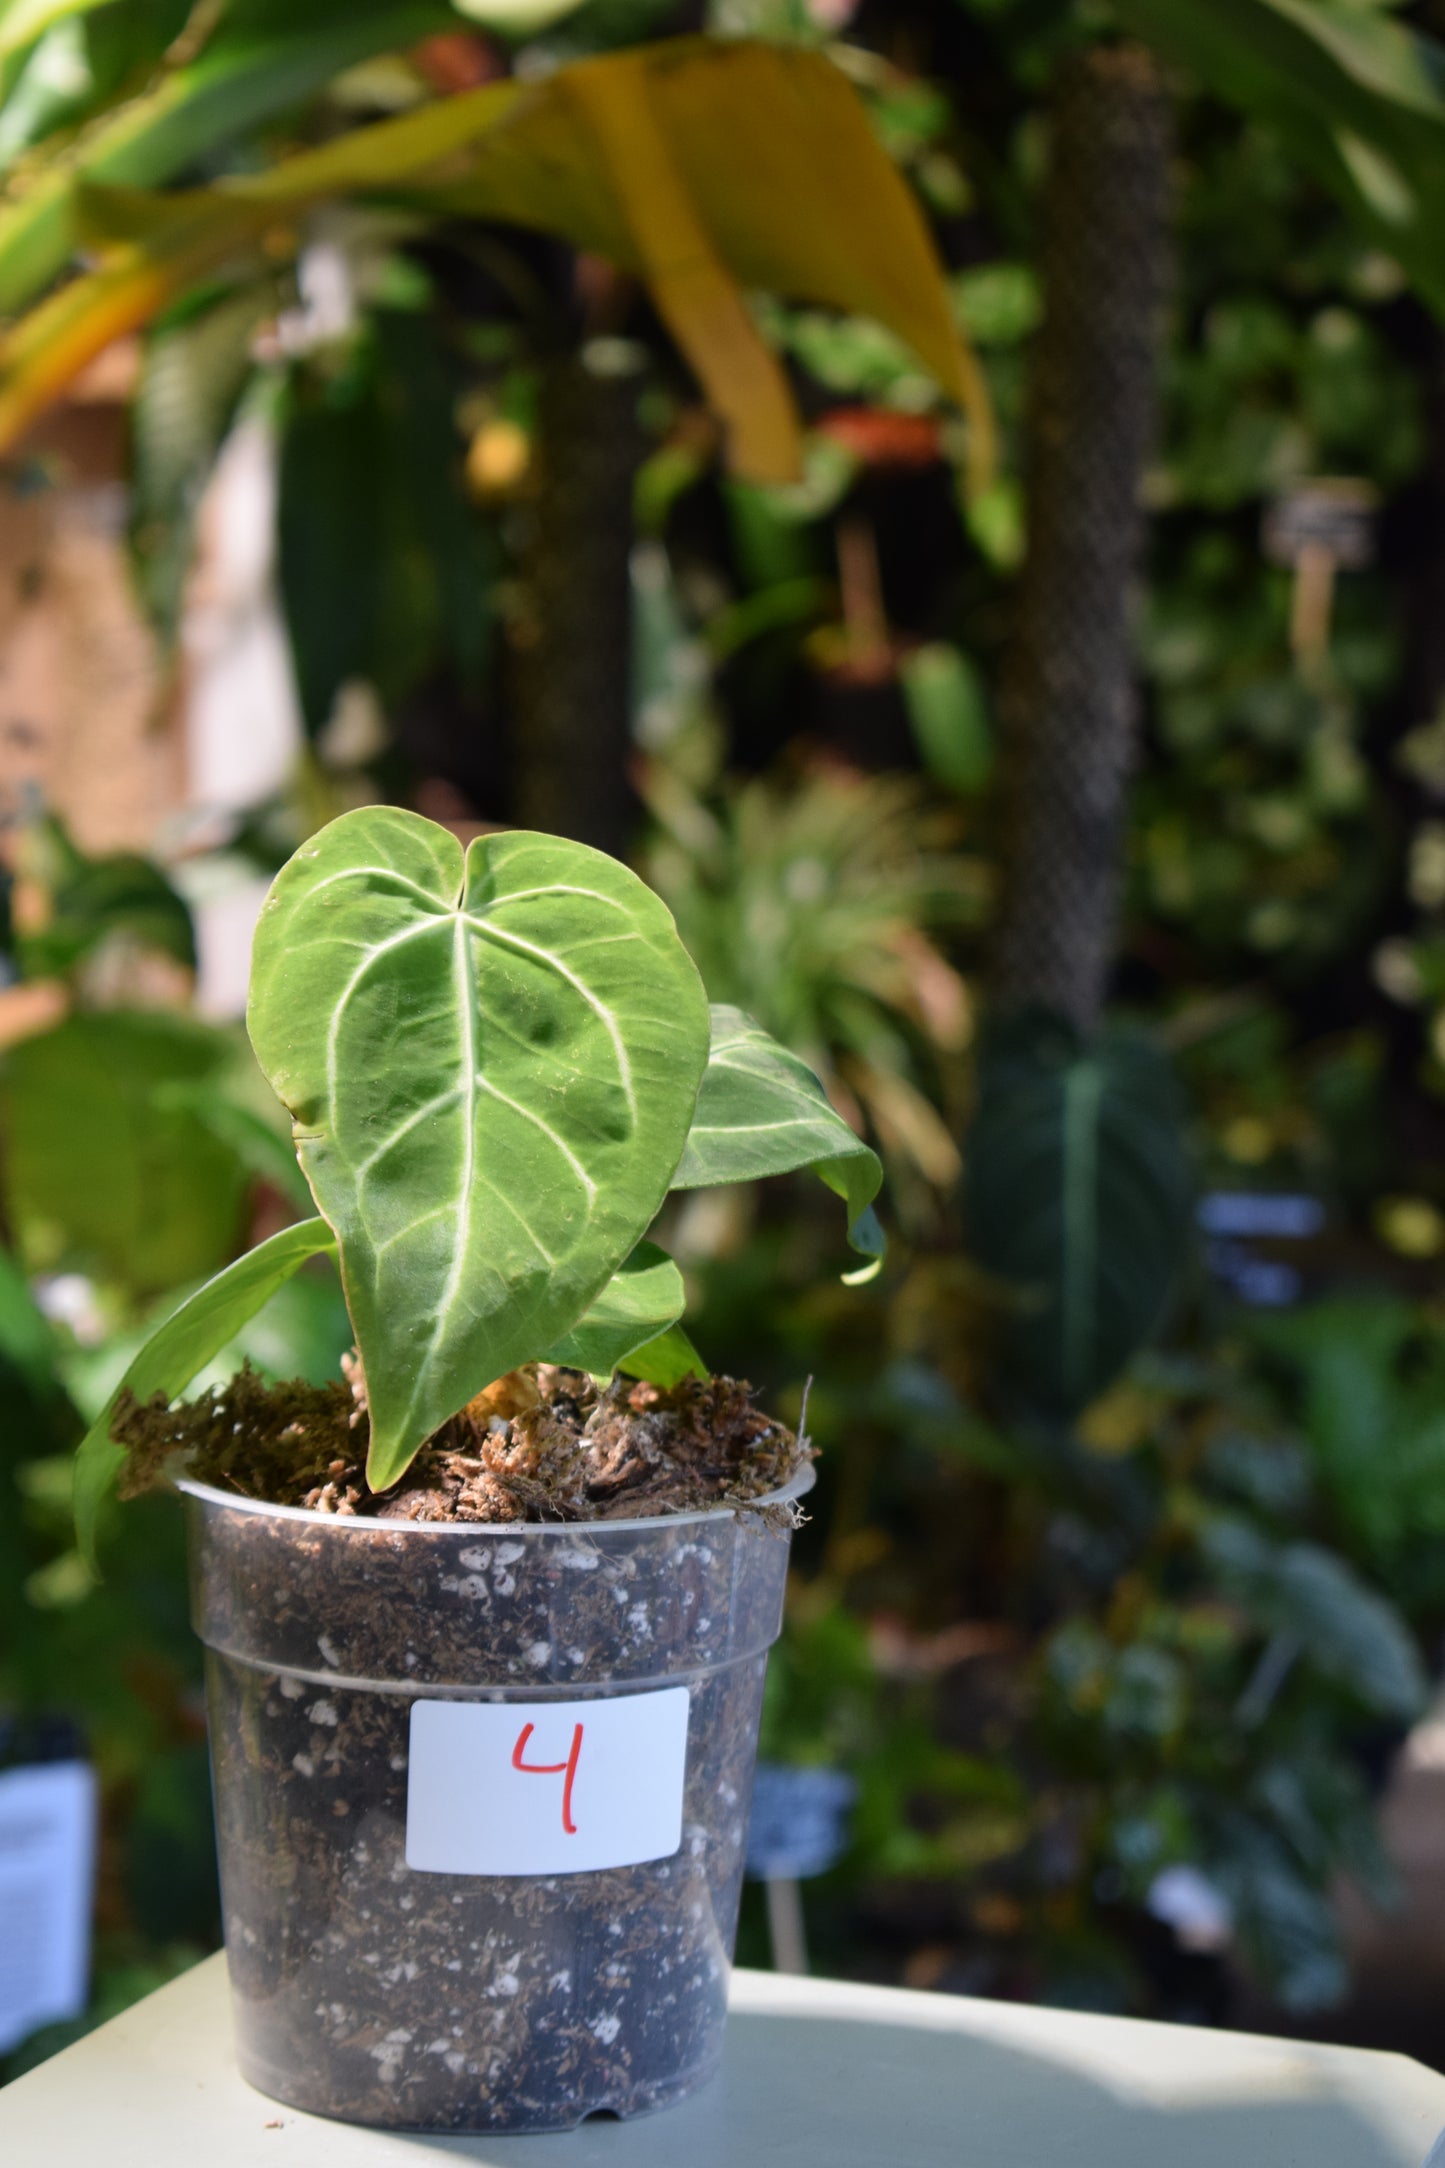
column 560, row 1562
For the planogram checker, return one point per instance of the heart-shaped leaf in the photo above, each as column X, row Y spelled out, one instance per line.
column 762, row 1111
column 492, row 1065
column 186, row 1342
column 637, row 1305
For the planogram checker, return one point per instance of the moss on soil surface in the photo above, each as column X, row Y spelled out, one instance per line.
column 541, row 1444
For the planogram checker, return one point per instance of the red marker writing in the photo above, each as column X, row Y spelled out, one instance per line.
column 552, row 1769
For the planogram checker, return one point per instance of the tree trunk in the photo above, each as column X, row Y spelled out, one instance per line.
column 572, row 734
column 1067, row 700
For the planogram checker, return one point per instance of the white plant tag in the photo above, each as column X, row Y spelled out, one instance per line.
column 545, row 1787
column 47, row 1869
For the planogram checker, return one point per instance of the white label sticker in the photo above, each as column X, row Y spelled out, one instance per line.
column 545, row 1787
column 47, row 1867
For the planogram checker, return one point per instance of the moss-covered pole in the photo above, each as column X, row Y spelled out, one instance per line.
column 1067, row 699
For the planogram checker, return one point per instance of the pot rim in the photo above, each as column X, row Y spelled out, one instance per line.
column 797, row 1487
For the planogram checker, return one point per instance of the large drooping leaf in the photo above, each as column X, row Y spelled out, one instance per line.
column 710, row 165
column 1357, row 93
column 183, row 1346
column 106, row 1168
column 1078, row 1198
column 492, row 1063
column 762, row 1111
column 638, row 1304
column 705, row 166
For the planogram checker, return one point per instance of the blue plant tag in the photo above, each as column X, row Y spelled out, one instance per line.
column 799, row 1823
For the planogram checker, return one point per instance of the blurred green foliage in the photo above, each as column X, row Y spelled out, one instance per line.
column 1106, row 1575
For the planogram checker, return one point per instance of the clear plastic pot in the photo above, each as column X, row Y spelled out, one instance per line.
column 399, row 1995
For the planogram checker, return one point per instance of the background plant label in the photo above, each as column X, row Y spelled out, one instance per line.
column 545, row 1787
column 47, row 1868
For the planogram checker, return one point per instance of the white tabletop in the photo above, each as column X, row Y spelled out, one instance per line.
column 817, row 2071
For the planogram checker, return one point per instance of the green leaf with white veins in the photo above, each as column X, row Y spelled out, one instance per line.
column 491, row 1064
column 762, row 1111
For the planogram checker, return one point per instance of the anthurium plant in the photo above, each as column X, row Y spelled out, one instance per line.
column 498, row 1063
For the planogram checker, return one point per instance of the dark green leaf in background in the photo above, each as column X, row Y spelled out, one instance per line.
column 948, row 712
column 1078, row 1197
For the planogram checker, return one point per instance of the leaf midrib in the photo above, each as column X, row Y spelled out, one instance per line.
column 464, row 925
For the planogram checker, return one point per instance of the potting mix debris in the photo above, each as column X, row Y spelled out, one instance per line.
column 540, row 1444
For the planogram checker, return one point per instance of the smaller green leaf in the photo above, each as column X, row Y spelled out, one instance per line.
column 182, row 1346
column 637, row 1305
column 665, row 1361
column 762, row 1111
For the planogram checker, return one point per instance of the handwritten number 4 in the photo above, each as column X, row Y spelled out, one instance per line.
column 566, row 1768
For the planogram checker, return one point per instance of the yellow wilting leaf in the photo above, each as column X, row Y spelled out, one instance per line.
column 802, row 200
column 696, row 296
column 783, row 178
column 707, row 167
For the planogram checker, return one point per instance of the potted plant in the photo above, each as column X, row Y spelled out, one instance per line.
column 486, row 1625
